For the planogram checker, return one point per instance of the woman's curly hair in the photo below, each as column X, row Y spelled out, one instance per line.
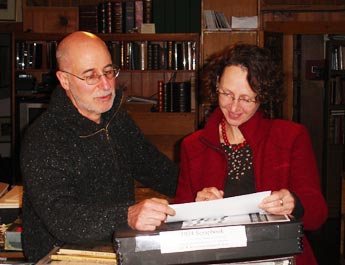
column 264, row 75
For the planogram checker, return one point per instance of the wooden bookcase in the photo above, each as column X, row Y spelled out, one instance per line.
column 334, row 120
column 334, row 133
column 213, row 41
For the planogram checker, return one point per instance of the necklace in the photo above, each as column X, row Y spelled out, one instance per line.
column 226, row 140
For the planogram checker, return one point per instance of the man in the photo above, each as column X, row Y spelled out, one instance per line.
column 80, row 158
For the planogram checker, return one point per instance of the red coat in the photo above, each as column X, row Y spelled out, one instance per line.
column 283, row 157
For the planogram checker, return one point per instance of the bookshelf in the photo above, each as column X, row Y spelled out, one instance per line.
column 334, row 122
column 334, row 134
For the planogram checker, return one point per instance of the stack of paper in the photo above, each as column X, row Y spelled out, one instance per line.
column 244, row 22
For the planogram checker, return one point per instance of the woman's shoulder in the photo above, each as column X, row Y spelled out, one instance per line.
column 287, row 126
column 285, row 132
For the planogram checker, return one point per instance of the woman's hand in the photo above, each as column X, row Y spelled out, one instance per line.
column 279, row 202
column 208, row 194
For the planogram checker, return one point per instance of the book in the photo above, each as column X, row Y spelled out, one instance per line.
column 82, row 258
column 102, row 21
column 210, row 20
column 160, row 96
column 139, row 15
column 147, row 11
column 88, row 19
column 129, row 16
column 97, row 253
column 181, row 96
column 117, row 17
column 66, row 250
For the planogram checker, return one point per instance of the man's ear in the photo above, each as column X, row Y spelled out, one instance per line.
column 63, row 79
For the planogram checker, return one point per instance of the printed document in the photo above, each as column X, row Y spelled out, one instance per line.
column 238, row 205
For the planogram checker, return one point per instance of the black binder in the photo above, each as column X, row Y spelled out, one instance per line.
column 264, row 240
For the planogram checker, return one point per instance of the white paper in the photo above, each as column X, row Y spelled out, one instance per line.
column 203, row 238
column 244, row 204
column 244, row 22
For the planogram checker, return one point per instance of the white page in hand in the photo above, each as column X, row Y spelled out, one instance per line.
column 244, row 204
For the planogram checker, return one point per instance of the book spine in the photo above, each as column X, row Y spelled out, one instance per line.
column 139, row 13
column 117, row 17
column 155, row 56
column 182, row 97
column 102, row 18
column 129, row 16
column 88, row 18
column 170, row 55
column 122, row 55
column 147, row 11
column 149, row 56
column 143, row 55
column 160, row 96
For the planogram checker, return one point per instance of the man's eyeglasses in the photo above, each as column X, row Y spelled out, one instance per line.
column 109, row 72
column 242, row 100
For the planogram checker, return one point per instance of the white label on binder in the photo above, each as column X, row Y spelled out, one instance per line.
column 204, row 238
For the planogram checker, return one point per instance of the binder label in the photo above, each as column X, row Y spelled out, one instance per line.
column 204, row 238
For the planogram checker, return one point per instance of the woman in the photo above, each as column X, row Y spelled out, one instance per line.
column 243, row 150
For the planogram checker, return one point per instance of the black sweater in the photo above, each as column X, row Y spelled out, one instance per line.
column 78, row 176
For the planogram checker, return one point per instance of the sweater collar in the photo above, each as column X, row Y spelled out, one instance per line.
column 64, row 109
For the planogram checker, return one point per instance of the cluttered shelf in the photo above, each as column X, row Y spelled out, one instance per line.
column 10, row 224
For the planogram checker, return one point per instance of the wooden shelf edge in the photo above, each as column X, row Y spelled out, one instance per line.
column 313, row 7
column 30, row 36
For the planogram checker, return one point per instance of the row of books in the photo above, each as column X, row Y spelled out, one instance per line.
column 337, row 91
column 114, row 17
column 29, row 54
column 128, row 55
column 174, row 96
column 338, row 58
column 173, row 16
column 146, row 55
column 337, row 127
column 214, row 20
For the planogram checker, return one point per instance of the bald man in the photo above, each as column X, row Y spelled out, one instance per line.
column 80, row 158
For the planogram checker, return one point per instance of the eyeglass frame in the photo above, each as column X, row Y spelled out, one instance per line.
column 239, row 99
column 114, row 68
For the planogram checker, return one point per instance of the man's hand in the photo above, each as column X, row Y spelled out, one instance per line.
column 208, row 194
column 148, row 214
